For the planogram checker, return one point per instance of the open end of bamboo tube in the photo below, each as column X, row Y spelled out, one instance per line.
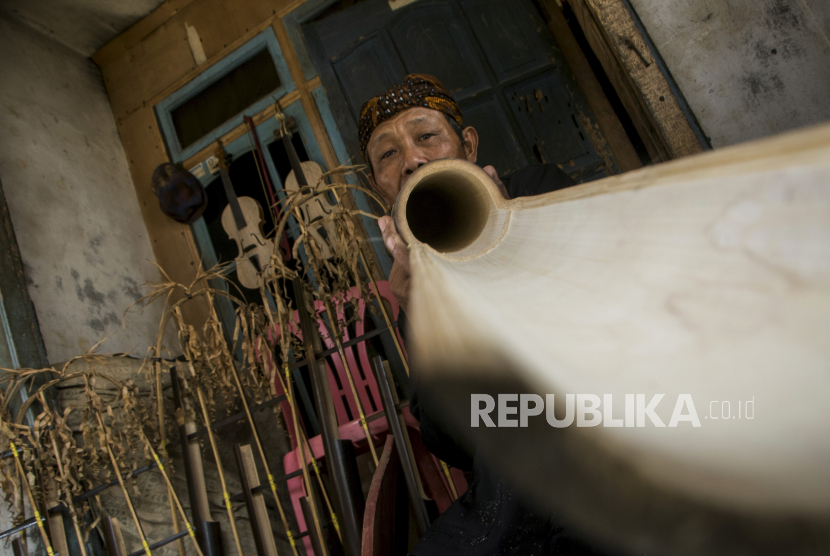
column 452, row 206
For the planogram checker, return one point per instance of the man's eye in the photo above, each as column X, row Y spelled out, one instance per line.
column 387, row 154
column 427, row 136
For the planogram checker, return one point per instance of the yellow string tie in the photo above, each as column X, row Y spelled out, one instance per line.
column 272, row 483
column 290, row 538
column 190, row 529
column 158, row 462
column 14, row 449
column 146, row 548
column 49, row 551
column 287, row 384
column 334, row 522
column 228, row 502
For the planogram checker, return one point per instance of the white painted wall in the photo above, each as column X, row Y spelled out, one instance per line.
column 748, row 68
column 71, row 198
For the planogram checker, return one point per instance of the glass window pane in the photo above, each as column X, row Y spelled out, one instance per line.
column 231, row 94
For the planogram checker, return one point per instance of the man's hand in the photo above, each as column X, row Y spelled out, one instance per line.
column 399, row 277
column 493, row 174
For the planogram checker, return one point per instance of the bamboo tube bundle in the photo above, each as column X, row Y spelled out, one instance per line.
column 705, row 280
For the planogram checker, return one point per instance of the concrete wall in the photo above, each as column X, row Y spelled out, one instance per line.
column 748, row 68
column 83, row 242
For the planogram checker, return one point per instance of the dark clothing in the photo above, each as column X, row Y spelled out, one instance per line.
column 489, row 519
column 536, row 179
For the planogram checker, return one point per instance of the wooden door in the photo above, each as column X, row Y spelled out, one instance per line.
column 497, row 58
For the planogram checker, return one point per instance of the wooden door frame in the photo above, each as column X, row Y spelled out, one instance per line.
column 657, row 108
column 607, row 135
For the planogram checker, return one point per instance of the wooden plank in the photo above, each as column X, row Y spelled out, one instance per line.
column 641, row 85
column 173, row 244
column 609, row 125
column 305, row 89
column 161, row 62
column 123, row 42
column 289, row 6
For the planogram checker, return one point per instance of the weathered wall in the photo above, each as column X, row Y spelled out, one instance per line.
column 748, row 68
column 73, row 205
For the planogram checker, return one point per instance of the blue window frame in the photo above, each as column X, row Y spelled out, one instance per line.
column 264, row 41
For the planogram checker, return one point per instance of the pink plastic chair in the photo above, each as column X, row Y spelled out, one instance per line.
column 434, row 481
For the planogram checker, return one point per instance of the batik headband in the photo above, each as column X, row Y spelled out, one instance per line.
column 416, row 90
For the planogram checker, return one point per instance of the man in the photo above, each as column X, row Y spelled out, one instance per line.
column 416, row 122
column 402, row 129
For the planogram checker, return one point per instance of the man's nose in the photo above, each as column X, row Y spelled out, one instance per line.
column 414, row 158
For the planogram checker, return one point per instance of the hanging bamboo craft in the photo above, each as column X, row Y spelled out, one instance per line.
column 701, row 279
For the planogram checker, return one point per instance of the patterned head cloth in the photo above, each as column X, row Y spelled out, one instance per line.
column 416, row 90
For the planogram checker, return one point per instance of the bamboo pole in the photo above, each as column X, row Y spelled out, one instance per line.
column 289, row 393
column 212, row 439
column 62, row 472
column 335, row 333
column 38, row 518
column 160, row 410
column 160, row 465
column 255, row 431
column 376, row 291
column 394, row 335
column 303, row 437
column 304, row 467
column 104, row 435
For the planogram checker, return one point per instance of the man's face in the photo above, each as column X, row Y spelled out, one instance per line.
column 410, row 139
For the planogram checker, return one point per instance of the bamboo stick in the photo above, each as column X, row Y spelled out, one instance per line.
column 212, row 439
column 255, row 431
column 304, row 467
column 335, row 333
column 303, row 438
column 62, row 472
column 380, row 300
column 160, row 465
column 106, row 442
column 24, row 481
column 160, row 410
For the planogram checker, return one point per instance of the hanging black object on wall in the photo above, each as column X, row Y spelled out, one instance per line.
column 181, row 196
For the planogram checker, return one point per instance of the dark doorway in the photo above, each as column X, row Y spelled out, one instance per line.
column 498, row 59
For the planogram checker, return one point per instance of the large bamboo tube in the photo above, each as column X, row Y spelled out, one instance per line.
column 707, row 276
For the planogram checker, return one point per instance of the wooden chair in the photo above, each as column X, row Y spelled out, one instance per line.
column 386, row 519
